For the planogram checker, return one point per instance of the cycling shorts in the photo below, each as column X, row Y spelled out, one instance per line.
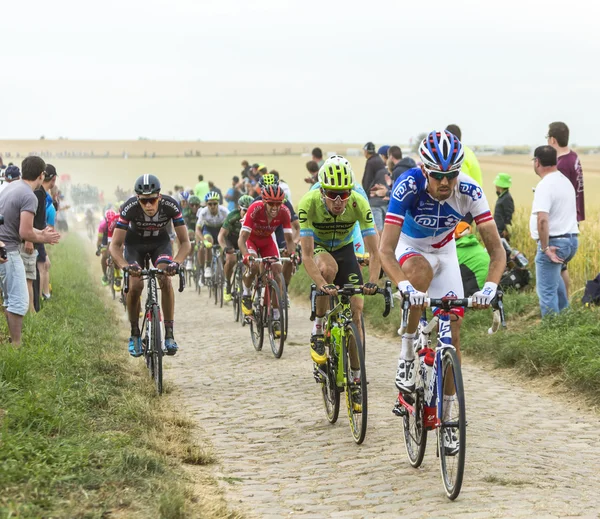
column 447, row 280
column 263, row 247
column 348, row 267
column 160, row 251
column 211, row 231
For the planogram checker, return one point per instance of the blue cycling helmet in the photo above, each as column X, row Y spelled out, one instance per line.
column 441, row 151
column 184, row 195
column 211, row 195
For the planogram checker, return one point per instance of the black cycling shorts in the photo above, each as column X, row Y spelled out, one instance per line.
column 159, row 249
column 348, row 267
column 212, row 231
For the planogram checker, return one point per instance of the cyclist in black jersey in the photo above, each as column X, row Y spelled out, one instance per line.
column 142, row 229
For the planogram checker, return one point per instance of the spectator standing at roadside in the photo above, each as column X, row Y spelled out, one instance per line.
column 283, row 185
column 212, row 187
column 470, row 165
column 505, row 205
column 201, row 188
column 553, row 224
column 317, row 156
column 11, row 173
column 43, row 260
column 569, row 165
column 313, row 170
column 246, row 169
column 383, row 153
column 397, row 164
column 233, row 194
column 18, row 204
column 374, row 175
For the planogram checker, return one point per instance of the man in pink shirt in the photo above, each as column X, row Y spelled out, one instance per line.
column 570, row 167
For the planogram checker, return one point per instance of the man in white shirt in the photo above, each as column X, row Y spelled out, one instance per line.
column 553, row 224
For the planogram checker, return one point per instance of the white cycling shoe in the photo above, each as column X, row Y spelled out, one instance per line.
column 406, row 375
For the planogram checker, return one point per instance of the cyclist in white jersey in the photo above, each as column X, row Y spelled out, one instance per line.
column 417, row 246
column 210, row 221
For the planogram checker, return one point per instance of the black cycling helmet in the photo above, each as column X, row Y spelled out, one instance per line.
column 147, row 185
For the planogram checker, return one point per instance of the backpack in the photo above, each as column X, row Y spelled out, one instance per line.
column 515, row 278
column 592, row 292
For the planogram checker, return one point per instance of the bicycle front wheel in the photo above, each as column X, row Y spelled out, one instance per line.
column 276, row 325
column 257, row 330
column 452, row 434
column 157, row 352
column 355, row 387
column 220, row 282
column 331, row 394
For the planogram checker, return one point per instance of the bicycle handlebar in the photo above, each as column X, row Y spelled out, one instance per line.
column 268, row 259
column 351, row 290
column 447, row 303
column 154, row 272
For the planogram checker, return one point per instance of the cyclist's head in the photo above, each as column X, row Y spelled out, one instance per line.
column 185, row 195
column 442, row 155
column 147, row 189
column 266, row 180
column 110, row 215
column 244, row 202
column 212, row 201
column 273, row 197
column 337, row 180
column 261, row 169
column 194, row 202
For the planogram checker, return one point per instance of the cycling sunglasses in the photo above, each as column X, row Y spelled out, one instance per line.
column 274, row 204
column 334, row 195
column 212, row 203
column 436, row 175
column 148, row 201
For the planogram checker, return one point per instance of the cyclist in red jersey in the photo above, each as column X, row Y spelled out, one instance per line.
column 257, row 236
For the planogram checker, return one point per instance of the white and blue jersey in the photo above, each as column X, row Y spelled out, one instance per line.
column 428, row 224
column 357, row 238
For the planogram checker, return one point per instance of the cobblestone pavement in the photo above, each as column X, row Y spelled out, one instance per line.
column 527, row 455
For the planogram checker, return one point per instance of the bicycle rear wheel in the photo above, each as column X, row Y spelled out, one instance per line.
column 415, row 434
column 220, row 282
column 235, row 301
column 331, row 394
column 284, row 302
column 454, row 429
column 274, row 325
column 257, row 329
column 157, row 352
column 356, row 391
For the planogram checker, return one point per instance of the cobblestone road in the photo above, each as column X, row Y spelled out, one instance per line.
column 527, row 455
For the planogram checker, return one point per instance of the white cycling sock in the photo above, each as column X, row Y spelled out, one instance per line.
column 276, row 313
column 447, row 411
column 318, row 326
column 355, row 374
column 246, row 291
column 408, row 346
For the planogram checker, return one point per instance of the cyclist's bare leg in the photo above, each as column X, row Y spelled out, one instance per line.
column 419, row 272
column 136, row 285
column 167, row 299
column 287, row 270
column 251, row 274
column 230, row 260
column 104, row 260
column 328, row 268
column 208, row 238
column 201, row 256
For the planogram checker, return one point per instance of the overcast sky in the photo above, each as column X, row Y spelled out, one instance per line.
column 299, row 70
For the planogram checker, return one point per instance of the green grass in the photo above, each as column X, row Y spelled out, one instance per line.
column 81, row 432
column 566, row 345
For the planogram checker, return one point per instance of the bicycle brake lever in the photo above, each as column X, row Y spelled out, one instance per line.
column 181, row 273
column 125, row 280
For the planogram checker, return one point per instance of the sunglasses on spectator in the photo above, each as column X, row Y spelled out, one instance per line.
column 436, row 175
column 148, row 201
column 334, row 195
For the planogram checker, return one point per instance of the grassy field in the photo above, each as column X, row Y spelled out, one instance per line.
column 82, row 433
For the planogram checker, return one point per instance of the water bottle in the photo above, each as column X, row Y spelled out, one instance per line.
column 336, row 337
column 426, row 359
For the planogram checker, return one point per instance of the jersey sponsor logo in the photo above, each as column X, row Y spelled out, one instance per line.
column 170, row 204
column 353, row 278
column 302, row 217
column 369, row 217
column 404, row 188
column 129, row 206
column 471, row 190
column 436, row 222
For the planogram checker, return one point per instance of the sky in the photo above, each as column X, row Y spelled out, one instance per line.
column 300, row 71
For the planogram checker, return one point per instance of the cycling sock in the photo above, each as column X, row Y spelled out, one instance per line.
column 355, row 374
column 169, row 329
column 408, row 349
column 135, row 329
column 276, row 313
column 246, row 291
column 447, row 412
column 318, row 326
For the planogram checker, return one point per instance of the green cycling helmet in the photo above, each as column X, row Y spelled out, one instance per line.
column 194, row 200
column 211, row 196
column 245, row 201
column 267, row 179
column 336, row 174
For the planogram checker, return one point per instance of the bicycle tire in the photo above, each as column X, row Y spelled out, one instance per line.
column 284, row 299
column 235, row 302
column 157, row 351
column 364, row 333
column 220, row 283
column 329, row 390
column 415, row 434
column 146, row 346
column 257, row 330
column 277, row 343
column 110, row 276
column 357, row 418
column 452, row 467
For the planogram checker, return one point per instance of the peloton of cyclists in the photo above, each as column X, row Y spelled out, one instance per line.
column 208, row 225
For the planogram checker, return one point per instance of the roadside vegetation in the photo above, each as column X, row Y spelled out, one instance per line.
column 82, row 433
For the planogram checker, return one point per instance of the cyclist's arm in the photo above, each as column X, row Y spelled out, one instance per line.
column 223, row 238
column 296, row 231
column 185, row 246
column 244, row 235
column 387, row 252
column 99, row 240
column 491, row 240
column 308, row 249
column 371, row 243
column 116, row 248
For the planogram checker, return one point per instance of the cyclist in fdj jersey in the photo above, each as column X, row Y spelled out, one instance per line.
column 229, row 236
column 257, row 238
column 142, row 230
column 102, row 242
column 266, row 180
column 327, row 219
column 417, row 247
column 208, row 225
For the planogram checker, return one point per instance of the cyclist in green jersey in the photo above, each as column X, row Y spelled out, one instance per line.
column 190, row 213
column 327, row 217
column 229, row 236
